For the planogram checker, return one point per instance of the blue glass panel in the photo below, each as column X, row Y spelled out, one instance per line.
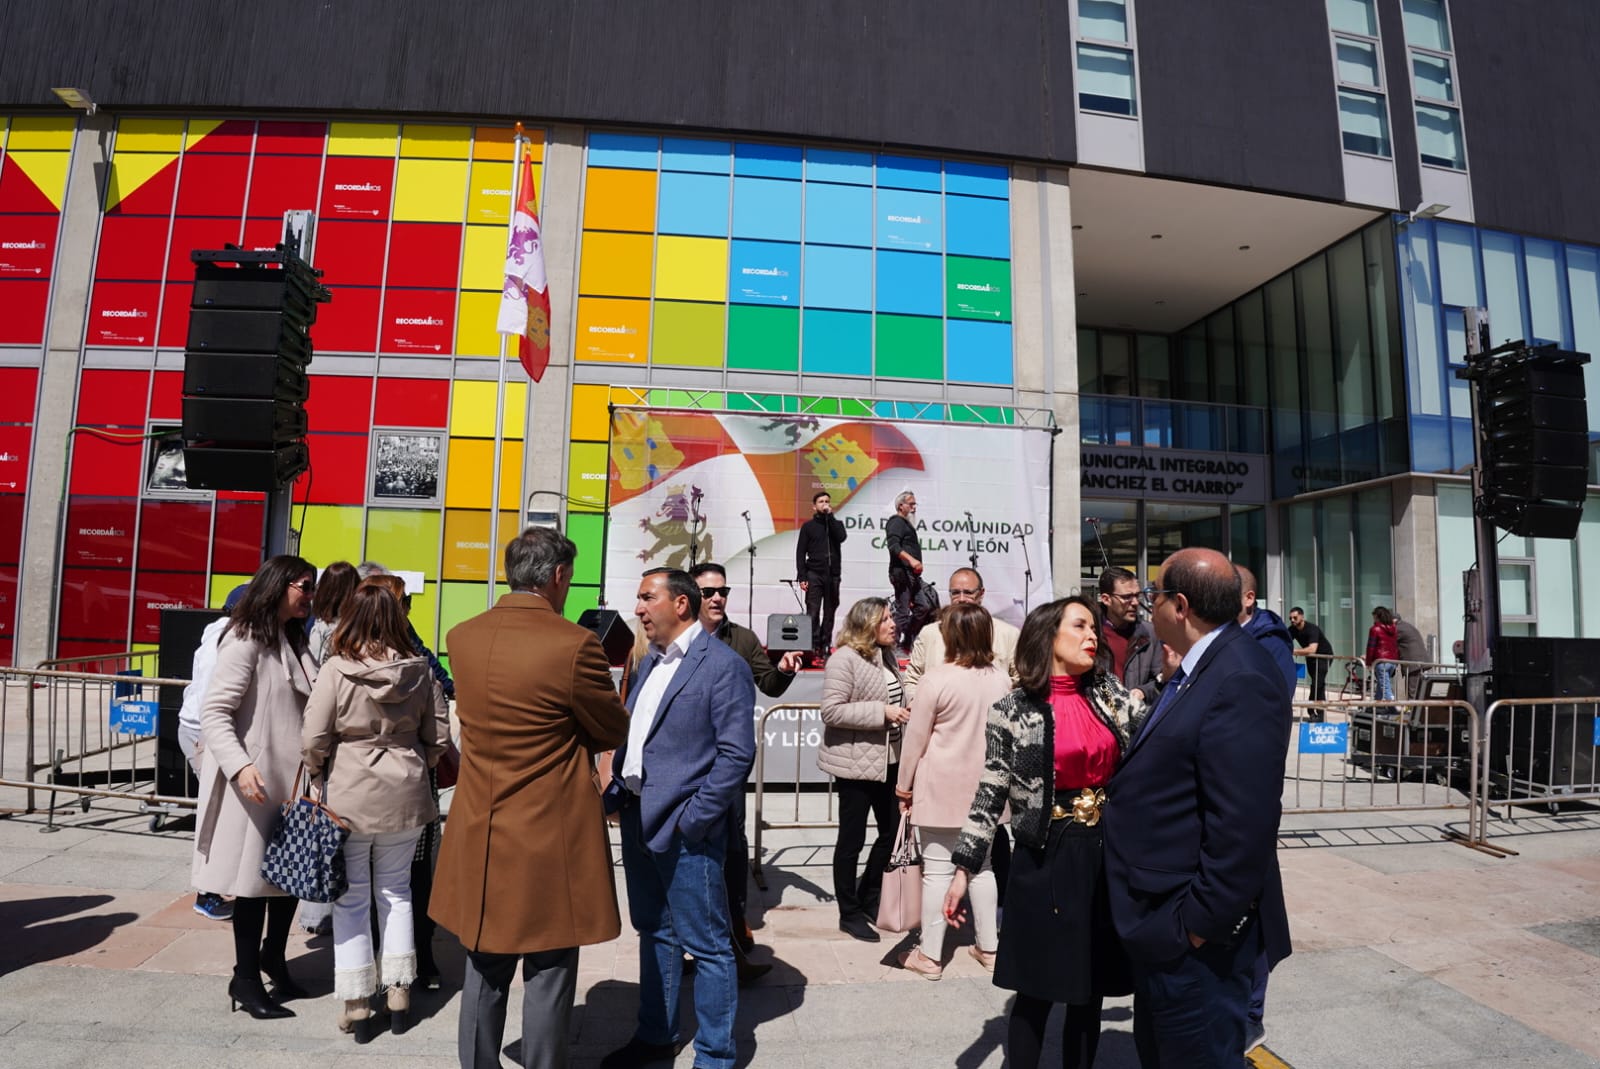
column 766, row 208
column 692, row 154
column 838, row 278
column 977, row 179
column 834, row 165
column 911, row 283
column 1503, row 286
column 1461, row 444
column 838, row 215
column 977, row 226
column 767, row 161
column 908, row 172
column 623, row 150
column 1430, row 444
column 836, row 343
column 978, row 352
column 907, row 410
column 909, row 220
column 764, row 272
column 693, row 204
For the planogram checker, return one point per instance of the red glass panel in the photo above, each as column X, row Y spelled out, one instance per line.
column 236, row 541
column 18, row 193
column 100, row 532
column 27, row 245
column 8, row 611
column 94, row 604
column 25, row 304
column 113, row 398
column 339, row 464
column 419, row 322
column 213, row 185
column 11, row 519
column 124, row 313
column 413, row 402
column 349, row 323
column 191, row 234
column 15, row 443
column 233, row 135
column 107, row 468
column 166, row 396
column 424, row 255
column 292, row 138
column 339, row 403
column 164, row 590
column 17, row 385
column 173, row 536
column 351, row 254
column 261, row 235
column 153, row 196
column 132, row 247
column 173, row 332
column 283, row 183
column 357, row 187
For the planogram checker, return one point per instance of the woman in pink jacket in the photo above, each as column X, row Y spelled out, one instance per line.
column 940, row 763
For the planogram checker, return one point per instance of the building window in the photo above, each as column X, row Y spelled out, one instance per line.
column 1433, row 84
column 1363, row 107
column 1105, row 58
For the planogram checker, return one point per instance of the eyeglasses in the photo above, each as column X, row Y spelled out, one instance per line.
column 958, row 592
column 715, row 591
column 1127, row 598
column 305, row 586
column 1151, row 590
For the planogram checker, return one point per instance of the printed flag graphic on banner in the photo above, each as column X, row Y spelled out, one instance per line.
column 525, row 300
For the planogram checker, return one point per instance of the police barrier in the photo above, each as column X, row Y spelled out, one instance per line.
column 129, row 662
column 1345, row 675
column 1540, row 751
column 769, row 742
column 85, row 734
column 1410, row 677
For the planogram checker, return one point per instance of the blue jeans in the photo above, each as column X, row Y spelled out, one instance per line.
column 678, row 902
column 1384, row 680
column 1190, row 1013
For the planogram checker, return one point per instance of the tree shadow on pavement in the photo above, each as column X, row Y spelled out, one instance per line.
column 46, row 929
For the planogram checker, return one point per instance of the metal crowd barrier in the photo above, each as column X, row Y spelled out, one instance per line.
column 1394, row 757
column 1346, row 674
column 1540, row 751
column 794, row 820
column 135, row 662
column 84, row 734
column 1407, row 672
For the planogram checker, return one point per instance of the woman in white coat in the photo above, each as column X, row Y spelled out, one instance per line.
column 250, row 724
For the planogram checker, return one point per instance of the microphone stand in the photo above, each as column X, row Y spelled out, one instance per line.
column 696, row 521
column 972, row 533
column 750, row 602
column 1027, row 575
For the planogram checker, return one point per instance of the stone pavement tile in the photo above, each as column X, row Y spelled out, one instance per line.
column 1429, row 956
column 91, row 869
column 1537, row 982
column 123, row 948
column 198, row 953
column 14, row 858
column 179, row 913
column 1581, row 935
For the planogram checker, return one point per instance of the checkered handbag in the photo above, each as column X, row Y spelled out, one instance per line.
column 306, row 854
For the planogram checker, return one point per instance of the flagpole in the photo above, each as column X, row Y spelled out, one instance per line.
column 500, row 391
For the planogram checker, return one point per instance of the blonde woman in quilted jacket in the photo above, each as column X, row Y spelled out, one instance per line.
column 863, row 708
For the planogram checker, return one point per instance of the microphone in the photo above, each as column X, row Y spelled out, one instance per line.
column 745, row 514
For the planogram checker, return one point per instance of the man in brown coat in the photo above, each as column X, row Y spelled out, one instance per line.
column 525, row 866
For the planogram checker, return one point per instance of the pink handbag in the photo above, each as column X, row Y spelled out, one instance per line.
column 900, row 904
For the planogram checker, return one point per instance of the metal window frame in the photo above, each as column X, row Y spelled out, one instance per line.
column 1130, row 46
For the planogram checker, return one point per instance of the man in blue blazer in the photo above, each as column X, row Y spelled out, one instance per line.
column 1192, row 824
column 691, row 742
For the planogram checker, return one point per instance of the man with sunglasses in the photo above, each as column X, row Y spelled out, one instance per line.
column 1131, row 642
column 772, row 680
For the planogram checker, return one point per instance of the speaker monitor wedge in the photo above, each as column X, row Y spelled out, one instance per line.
column 788, row 631
column 616, row 638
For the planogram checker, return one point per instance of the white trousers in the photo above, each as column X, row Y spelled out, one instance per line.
column 938, row 869
column 379, row 869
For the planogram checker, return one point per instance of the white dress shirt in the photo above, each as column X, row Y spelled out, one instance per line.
column 648, row 704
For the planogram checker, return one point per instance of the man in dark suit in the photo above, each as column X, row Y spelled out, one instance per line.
column 1191, row 828
column 818, row 568
column 690, row 745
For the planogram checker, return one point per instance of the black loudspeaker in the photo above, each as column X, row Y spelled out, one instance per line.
column 261, row 470
column 254, row 375
column 616, row 637
column 788, row 631
column 243, row 421
column 180, row 637
column 1536, row 440
column 1548, row 745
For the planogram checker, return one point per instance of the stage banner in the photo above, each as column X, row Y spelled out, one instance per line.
column 682, row 485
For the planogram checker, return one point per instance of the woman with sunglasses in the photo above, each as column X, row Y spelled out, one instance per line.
column 250, row 723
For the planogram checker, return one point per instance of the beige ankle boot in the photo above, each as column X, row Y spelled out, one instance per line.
column 356, row 1017
column 399, row 999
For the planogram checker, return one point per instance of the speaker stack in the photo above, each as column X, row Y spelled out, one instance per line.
column 244, row 369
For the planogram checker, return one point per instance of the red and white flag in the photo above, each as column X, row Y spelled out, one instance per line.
column 525, row 300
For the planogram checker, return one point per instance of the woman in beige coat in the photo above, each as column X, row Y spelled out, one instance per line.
column 863, row 706
column 940, row 766
column 376, row 723
column 250, row 724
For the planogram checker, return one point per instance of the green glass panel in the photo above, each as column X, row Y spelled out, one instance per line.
column 580, row 599
column 404, row 539
column 910, row 347
column 977, row 289
column 820, row 406
column 849, row 407
column 462, row 601
column 767, row 339
column 588, row 531
column 332, row 533
column 587, row 465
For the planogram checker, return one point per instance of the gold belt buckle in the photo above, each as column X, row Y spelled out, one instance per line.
column 1086, row 807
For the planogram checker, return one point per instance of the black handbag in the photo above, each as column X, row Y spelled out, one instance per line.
column 306, row 854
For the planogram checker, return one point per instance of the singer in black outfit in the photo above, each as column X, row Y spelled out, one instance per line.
column 816, row 566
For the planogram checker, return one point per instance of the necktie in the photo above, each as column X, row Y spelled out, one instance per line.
column 1169, row 694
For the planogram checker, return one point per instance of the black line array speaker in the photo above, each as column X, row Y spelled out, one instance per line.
column 1551, row 745
column 615, row 636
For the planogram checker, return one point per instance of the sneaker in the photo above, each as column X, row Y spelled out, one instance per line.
column 213, row 907
column 1255, row 1034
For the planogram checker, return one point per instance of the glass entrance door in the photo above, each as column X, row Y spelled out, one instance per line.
column 1139, row 535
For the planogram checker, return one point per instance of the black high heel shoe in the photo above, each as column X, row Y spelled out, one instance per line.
column 253, row 999
column 283, row 986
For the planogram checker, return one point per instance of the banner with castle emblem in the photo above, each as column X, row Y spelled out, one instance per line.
column 681, row 482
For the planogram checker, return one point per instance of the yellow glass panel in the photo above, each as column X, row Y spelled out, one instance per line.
column 591, row 413
column 472, row 409
column 41, row 132
column 436, row 142
column 629, row 395
column 692, row 269
column 130, row 170
column 475, row 321
column 5, row 129
column 619, row 200
column 496, row 143
column 470, row 473
column 614, row 331
column 362, row 138
column 690, row 335
column 199, row 130
column 149, row 135
column 431, row 191
column 47, row 170
column 483, row 259
column 331, row 533
column 404, row 539
column 221, row 585
column 587, row 465
column 616, row 265
column 467, row 549
column 516, row 402
column 489, row 195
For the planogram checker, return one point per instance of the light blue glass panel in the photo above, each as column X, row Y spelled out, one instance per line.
column 910, row 283
column 1358, row 62
column 908, row 172
column 1105, row 80
column 1458, row 265
column 1433, row 77
column 1103, row 20
column 976, row 179
column 1363, row 122
column 978, row 352
column 907, row 410
column 838, row 215
column 693, row 204
column 1422, row 321
column 1439, row 137
column 978, row 227
column 1501, row 284
column 835, row 165
column 1353, row 16
column 1425, row 24
column 1547, row 292
column 908, row 220
column 1583, row 279
column 693, row 154
column 766, row 161
column 766, row 208
column 838, row 278
column 623, row 150
column 836, row 343
column 764, row 272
